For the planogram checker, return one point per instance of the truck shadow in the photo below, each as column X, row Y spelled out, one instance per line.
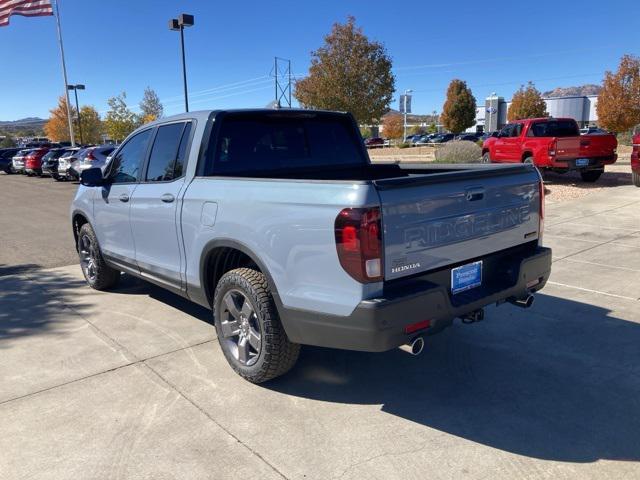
column 559, row 382
column 608, row 179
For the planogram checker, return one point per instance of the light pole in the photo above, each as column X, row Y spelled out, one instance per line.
column 178, row 24
column 75, row 89
column 404, row 108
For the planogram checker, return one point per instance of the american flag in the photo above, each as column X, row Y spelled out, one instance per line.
column 26, row 8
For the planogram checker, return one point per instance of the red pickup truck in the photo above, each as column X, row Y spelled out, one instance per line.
column 552, row 143
column 635, row 160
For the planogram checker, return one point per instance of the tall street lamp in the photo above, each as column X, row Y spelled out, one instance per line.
column 178, row 24
column 75, row 89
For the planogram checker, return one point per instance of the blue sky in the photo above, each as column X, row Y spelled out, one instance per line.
column 125, row 45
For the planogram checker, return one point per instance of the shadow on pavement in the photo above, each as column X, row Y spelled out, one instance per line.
column 31, row 306
column 562, row 388
column 608, row 179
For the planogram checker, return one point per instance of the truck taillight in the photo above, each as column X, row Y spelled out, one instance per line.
column 358, row 233
column 552, row 148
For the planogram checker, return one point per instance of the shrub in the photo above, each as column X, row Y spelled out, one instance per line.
column 459, row 151
column 404, row 145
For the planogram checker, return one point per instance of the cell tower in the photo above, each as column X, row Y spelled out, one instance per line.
column 281, row 71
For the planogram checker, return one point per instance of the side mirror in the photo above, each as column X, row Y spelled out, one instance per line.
column 92, row 177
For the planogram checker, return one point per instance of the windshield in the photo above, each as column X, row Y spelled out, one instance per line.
column 555, row 128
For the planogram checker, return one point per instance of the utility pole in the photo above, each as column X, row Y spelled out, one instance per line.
column 281, row 71
column 64, row 76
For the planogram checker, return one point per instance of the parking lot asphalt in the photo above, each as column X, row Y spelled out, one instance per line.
column 132, row 383
column 35, row 230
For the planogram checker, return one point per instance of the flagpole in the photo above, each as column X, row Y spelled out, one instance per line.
column 64, row 74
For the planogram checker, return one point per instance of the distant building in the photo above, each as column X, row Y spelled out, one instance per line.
column 582, row 108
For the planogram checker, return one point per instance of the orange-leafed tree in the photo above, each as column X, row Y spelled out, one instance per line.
column 57, row 128
column 392, row 126
column 619, row 100
column 527, row 102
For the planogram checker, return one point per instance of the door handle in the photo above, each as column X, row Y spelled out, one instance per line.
column 167, row 198
column 124, row 197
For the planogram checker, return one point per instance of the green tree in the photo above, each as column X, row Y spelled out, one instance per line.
column 459, row 109
column 417, row 130
column 7, row 142
column 92, row 127
column 527, row 103
column 365, row 132
column 150, row 107
column 349, row 73
column 433, row 128
column 619, row 100
column 119, row 120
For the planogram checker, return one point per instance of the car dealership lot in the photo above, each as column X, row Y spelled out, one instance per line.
column 132, row 383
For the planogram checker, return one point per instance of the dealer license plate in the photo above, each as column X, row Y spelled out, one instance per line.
column 582, row 162
column 466, row 277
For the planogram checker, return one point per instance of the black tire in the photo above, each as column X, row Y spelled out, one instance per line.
column 636, row 178
column 591, row 176
column 528, row 160
column 276, row 355
column 97, row 273
column 486, row 157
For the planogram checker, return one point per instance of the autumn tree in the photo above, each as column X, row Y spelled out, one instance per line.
column 349, row 73
column 92, row 127
column 393, row 126
column 527, row 103
column 57, row 128
column 119, row 120
column 459, row 109
column 150, row 106
column 619, row 100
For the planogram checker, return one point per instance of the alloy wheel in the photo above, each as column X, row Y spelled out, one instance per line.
column 88, row 257
column 240, row 327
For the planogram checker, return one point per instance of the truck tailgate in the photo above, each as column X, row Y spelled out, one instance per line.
column 439, row 219
column 567, row 148
column 593, row 146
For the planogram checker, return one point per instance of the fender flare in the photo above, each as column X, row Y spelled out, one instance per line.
column 237, row 245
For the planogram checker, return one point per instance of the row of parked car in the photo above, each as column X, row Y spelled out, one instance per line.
column 58, row 162
column 427, row 139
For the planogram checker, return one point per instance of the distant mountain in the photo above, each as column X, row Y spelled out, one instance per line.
column 23, row 122
column 589, row 89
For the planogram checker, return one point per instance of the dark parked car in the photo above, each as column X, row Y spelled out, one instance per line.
column 6, row 155
column 50, row 161
column 442, row 138
column 469, row 137
column 374, row 142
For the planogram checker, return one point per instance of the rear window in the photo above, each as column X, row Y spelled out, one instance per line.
column 257, row 145
column 554, row 128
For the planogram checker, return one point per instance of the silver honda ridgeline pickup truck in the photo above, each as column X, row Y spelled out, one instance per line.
column 278, row 221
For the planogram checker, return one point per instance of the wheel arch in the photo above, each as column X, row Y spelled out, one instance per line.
column 222, row 255
column 78, row 219
column 525, row 154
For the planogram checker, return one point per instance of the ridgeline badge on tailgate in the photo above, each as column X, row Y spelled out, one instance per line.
column 466, row 227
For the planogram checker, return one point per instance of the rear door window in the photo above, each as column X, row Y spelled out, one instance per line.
column 554, row 128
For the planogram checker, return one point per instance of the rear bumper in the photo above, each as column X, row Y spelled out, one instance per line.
column 378, row 324
column 595, row 163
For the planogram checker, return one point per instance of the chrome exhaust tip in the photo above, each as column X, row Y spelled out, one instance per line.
column 525, row 302
column 414, row 347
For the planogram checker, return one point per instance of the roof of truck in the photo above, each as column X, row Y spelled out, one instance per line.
column 204, row 114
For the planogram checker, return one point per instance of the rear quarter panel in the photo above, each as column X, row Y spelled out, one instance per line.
column 288, row 226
